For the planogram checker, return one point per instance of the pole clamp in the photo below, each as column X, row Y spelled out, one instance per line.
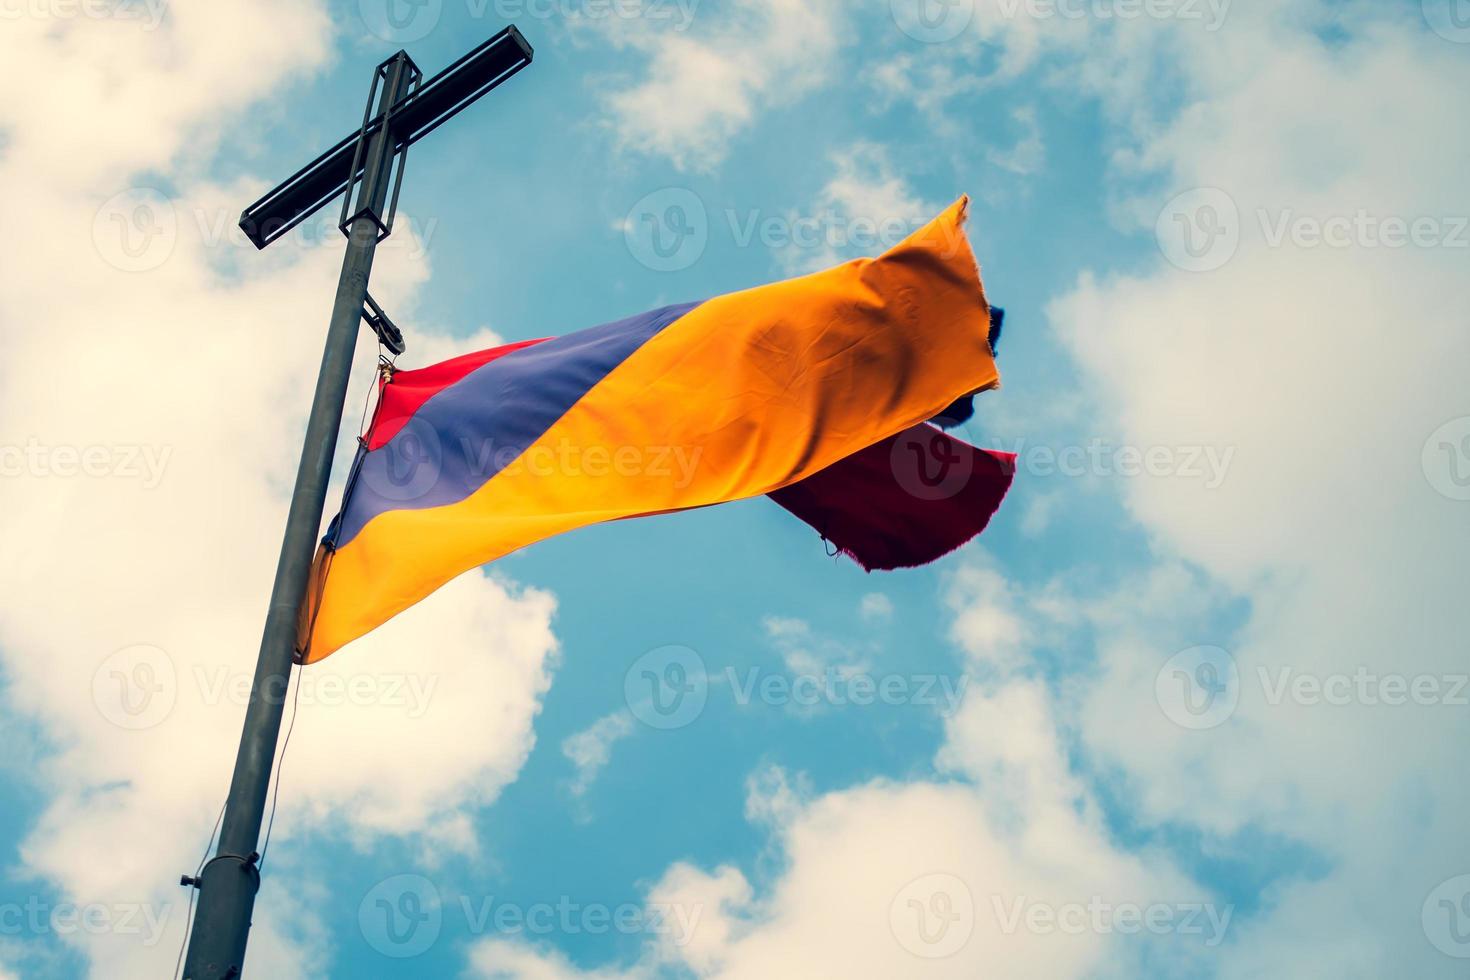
column 249, row 864
column 387, row 331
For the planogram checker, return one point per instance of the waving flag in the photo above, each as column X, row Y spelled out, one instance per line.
column 683, row 407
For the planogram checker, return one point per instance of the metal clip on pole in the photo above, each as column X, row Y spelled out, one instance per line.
column 387, row 331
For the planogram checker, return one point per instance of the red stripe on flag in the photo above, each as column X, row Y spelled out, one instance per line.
column 905, row 501
column 410, row 389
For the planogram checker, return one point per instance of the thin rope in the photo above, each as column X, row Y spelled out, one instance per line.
column 329, row 543
column 296, row 698
column 367, row 399
column 194, row 889
column 280, row 765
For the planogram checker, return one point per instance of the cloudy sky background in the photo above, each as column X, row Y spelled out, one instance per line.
column 1196, row 706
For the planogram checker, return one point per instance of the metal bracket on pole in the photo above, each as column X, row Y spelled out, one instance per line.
column 387, row 331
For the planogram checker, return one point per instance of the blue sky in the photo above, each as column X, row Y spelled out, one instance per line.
column 1205, row 669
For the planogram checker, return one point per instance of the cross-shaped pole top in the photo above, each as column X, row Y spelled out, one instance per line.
column 422, row 110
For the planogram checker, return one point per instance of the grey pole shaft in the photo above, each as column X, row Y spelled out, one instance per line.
column 229, row 881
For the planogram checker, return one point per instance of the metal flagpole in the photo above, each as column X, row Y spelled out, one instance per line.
column 228, row 883
column 406, row 110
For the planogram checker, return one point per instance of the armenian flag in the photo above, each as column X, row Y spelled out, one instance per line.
column 816, row 390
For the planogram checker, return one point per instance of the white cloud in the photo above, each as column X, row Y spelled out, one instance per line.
column 988, row 625
column 864, row 863
column 1038, row 514
column 1003, row 863
column 773, row 795
column 590, row 749
column 868, row 185
column 130, row 91
column 136, row 599
column 706, row 84
column 865, row 208
column 987, row 43
column 810, row 654
column 875, row 607
column 504, row 959
column 1326, row 367
column 1028, row 153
